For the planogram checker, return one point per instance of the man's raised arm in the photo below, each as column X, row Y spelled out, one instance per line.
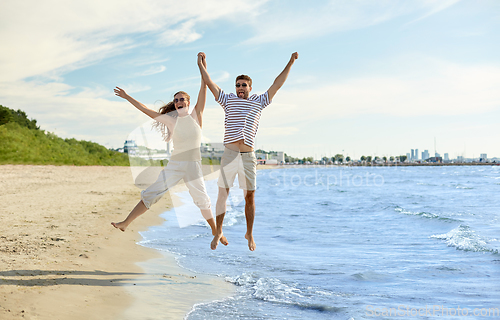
column 280, row 80
column 206, row 77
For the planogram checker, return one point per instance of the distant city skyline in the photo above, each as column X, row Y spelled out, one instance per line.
column 147, row 136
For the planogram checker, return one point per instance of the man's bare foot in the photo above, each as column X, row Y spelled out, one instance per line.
column 119, row 225
column 251, row 243
column 217, row 238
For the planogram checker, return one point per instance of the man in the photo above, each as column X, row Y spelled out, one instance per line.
column 242, row 114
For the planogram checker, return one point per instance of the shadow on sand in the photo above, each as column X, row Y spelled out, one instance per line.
column 61, row 277
column 96, row 278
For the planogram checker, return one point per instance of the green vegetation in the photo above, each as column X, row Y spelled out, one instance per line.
column 8, row 115
column 210, row 161
column 22, row 142
column 289, row 159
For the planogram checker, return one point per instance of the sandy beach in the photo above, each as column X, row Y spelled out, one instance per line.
column 60, row 258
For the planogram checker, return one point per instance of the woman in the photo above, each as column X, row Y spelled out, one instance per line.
column 184, row 129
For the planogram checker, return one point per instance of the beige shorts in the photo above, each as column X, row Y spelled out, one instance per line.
column 242, row 164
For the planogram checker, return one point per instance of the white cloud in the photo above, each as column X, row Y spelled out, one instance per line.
column 135, row 87
column 45, row 40
column 277, row 131
column 153, row 70
column 426, row 87
column 435, row 7
column 222, row 77
column 298, row 20
column 184, row 34
column 85, row 115
column 419, row 96
column 217, row 76
column 213, row 123
column 53, row 37
column 147, row 61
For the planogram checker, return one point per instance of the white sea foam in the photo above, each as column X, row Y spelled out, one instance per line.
column 269, row 289
column 466, row 239
column 278, row 292
column 414, row 213
column 424, row 214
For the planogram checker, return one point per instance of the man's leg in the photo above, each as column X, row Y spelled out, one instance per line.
column 247, row 176
column 250, row 216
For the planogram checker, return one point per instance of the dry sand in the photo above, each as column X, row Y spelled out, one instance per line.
column 61, row 259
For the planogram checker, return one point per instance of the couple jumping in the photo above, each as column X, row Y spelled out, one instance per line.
column 242, row 114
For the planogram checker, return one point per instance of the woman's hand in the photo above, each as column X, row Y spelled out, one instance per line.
column 121, row 93
column 202, row 59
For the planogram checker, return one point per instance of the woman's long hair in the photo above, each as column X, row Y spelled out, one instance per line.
column 168, row 109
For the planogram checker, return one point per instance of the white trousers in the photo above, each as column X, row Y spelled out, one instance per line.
column 191, row 173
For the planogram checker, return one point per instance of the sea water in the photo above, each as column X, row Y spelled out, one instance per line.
column 352, row 243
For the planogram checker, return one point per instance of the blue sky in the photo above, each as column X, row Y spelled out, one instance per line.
column 372, row 78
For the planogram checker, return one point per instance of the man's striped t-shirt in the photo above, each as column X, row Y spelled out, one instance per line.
column 242, row 116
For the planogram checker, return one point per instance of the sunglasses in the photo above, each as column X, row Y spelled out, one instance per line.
column 181, row 100
column 242, row 85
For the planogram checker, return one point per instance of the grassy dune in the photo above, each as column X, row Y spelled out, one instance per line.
column 22, row 142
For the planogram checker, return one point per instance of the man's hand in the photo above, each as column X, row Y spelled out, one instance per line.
column 280, row 80
column 202, row 64
column 121, row 93
column 202, row 59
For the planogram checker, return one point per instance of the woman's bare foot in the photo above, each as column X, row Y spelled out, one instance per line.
column 223, row 240
column 251, row 243
column 218, row 237
column 119, row 225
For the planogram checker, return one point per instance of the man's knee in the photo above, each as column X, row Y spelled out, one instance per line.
column 249, row 196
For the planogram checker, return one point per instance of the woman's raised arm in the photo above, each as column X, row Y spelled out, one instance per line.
column 122, row 94
column 202, row 95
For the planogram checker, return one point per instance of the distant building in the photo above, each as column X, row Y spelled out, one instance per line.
column 130, row 147
column 169, row 147
column 271, row 158
column 435, row 159
column 416, row 154
column 278, row 156
column 271, row 161
column 425, row 155
column 446, row 157
column 213, row 146
column 212, row 150
column 408, row 157
column 261, row 156
column 412, row 154
column 437, row 155
column 460, row 159
column 483, row 157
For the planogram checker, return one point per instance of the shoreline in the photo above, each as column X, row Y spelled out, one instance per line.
column 61, row 258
